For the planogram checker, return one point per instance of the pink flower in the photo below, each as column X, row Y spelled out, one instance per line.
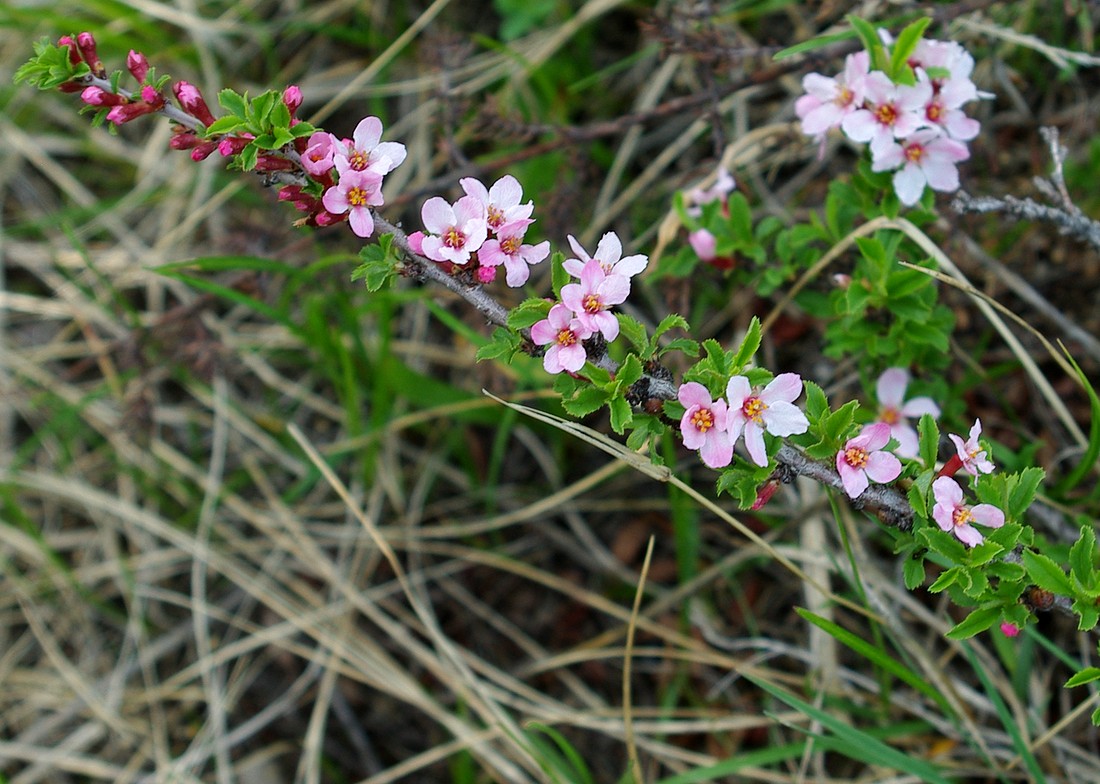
column 608, row 253
column 703, row 425
column 1009, row 629
column 507, row 248
column 973, row 457
column 771, row 410
column 942, row 110
column 951, row 514
column 696, row 197
column 925, row 157
column 501, row 200
column 895, row 411
column 565, row 335
column 592, row 298
column 860, row 462
column 829, row 100
column 456, row 231
column 318, row 156
column 893, row 111
column 355, row 194
column 364, row 150
column 704, row 243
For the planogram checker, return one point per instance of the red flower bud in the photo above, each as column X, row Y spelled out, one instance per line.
column 138, row 65
column 192, row 102
column 231, row 145
column 292, row 97
column 97, row 96
column 270, row 163
column 74, row 53
column 123, row 113
column 86, row 43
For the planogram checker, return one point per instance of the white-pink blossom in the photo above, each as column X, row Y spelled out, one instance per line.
column 703, row 425
column 609, row 252
column 501, row 200
column 954, row 516
column 592, row 298
column 564, row 335
column 508, row 248
column 771, row 411
column 454, row 231
column 923, row 158
column 697, row 197
column 828, row 100
column 355, row 194
column 892, row 111
column 974, row 458
column 895, row 410
column 365, row 150
column 318, row 156
column 863, row 461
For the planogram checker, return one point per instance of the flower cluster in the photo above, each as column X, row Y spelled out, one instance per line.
column 713, row 426
column 585, row 307
column 489, row 223
column 917, row 130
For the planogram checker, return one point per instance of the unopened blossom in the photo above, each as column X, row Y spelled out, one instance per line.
column 925, row 158
column 137, row 65
column 1010, row 629
column 192, row 102
column 292, row 98
column 97, row 96
column 954, row 516
column 501, row 200
column 862, row 460
column 697, row 197
column 770, row 410
column 355, row 194
column 592, row 298
column 828, row 100
column 896, row 411
column 704, row 243
column 892, row 111
column 508, row 248
column 454, row 231
column 564, row 335
column 974, row 458
column 609, row 252
column 703, row 425
column 365, row 150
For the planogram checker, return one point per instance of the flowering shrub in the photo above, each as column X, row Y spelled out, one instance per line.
column 905, row 98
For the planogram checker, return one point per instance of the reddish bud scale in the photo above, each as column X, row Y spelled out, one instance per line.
column 191, row 101
column 138, row 65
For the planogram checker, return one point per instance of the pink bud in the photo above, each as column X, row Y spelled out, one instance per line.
column 123, row 113
column 86, row 43
column 74, row 53
column 192, row 102
column 292, row 97
column 416, row 242
column 203, row 151
column 271, row 163
column 1010, row 629
column 486, row 274
column 138, row 65
column 704, row 244
column 231, row 145
column 97, row 96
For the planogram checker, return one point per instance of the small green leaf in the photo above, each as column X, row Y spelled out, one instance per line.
column 247, row 157
column 502, row 345
column 978, row 621
column 949, row 577
column 817, row 405
column 585, row 401
column 1087, row 675
column 671, row 321
column 904, row 46
column 558, row 276
column 633, row 330
column 929, row 440
column 868, row 35
column 233, row 102
column 628, row 373
column 1023, row 493
column 378, row 263
column 621, row 414
column 227, row 124
column 1082, row 557
column 748, row 347
column 527, row 313
column 913, row 572
column 1044, row 572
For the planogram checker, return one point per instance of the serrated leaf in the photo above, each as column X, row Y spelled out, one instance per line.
column 918, row 492
column 671, row 321
column 628, row 373
column 1082, row 557
column 247, row 157
column 817, row 404
column 621, row 414
column 837, row 424
column 686, row 345
column 913, row 572
column 1088, row 615
column 227, row 124
column 748, row 347
column 586, row 400
column 527, row 313
column 978, row 621
column 946, row 579
column 929, row 433
column 1087, row 675
column 1023, row 493
column 1044, row 572
column 233, row 102
column 633, row 330
column 502, row 345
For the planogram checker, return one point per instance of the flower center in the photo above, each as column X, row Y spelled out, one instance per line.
column 914, row 153
column 702, row 420
column 934, row 112
column 566, row 337
column 453, row 238
column 887, row 114
column 856, row 457
column 961, row 516
column 357, row 197
column 592, row 304
column 496, row 217
column 889, row 415
column 358, row 160
column 844, row 96
column 753, row 408
column 510, row 245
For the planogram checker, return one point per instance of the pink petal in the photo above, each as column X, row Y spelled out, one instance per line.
column 890, row 388
column 908, row 441
column 543, row 332
column 335, row 200
column 609, row 249
column 367, row 133
column 947, row 492
column 968, row 535
column 944, row 515
column 582, row 254
column 942, row 174
column 437, row 214
column 475, row 188
column 362, row 222
column 853, row 479
column 737, row 389
column 754, row 442
column 630, row 266
column 909, row 183
column 877, row 436
column 506, row 192
column 614, row 289
column 919, row 406
column 717, row 450
column 517, row 271
column 785, row 387
column 883, row 467
column 572, row 296
column 784, row 419
column 988, row 515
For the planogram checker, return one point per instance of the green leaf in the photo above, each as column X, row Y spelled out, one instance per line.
column 502, row 345
column 871, row 42
column 948, row 578
column 378, row 263
column 748, row 347
column 1087, row 675
column 929, row 434
column 226, row 124
column 1023, row 493
column 558, row 276
column 247, row 157
column 814, row 43
column 1044, row 572
column 628, row 373
column 621, row 414
column 817, row 405
column 918, row 493
column 1082, row 557
column 586, row 400
column 685, row 345
column 527, row 313
column 904, row 46
column 913, row 572
column 233, row 102
column 633, row 330
column 978, row 621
